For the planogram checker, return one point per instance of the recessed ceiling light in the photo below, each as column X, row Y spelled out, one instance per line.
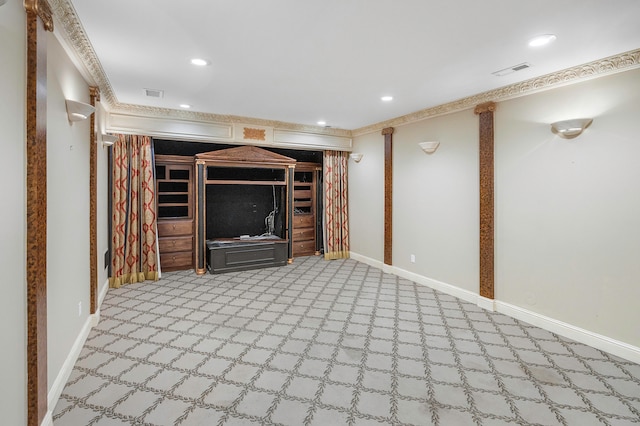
column 541, row 40
column 386, row 98
column 199, row 62
column 186, row 106
column 322, row 123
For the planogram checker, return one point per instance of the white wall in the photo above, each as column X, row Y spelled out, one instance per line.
column 68, row 273
column 13, row 332
column 567, row 212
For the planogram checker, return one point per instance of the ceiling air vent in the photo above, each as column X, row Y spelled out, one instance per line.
column 512, row 69
column 154, row 93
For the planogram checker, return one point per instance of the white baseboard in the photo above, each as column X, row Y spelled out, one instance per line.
column 595, row 340
column 466, row 295
column 367, row 260
column 598, row 341
column 102, row 292
column 67, row 367
column 48, row 419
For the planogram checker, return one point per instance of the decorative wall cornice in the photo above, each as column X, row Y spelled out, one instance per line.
column 147, row 111
column 73, row 32
column 613, row 64
column 71, row 29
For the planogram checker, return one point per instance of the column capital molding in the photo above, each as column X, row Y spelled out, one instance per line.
column 485, row 107
column 94, row 92
column 42, row 9
column 387, row 131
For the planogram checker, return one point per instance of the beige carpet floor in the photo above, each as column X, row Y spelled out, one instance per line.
column 331, row 343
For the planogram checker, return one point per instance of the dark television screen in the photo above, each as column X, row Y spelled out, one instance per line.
column 235, row 210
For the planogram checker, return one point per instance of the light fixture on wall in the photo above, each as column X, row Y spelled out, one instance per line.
column 429, row 146
column 78, row 110
column 569, row 129
column 108, row 140
column 356, row 156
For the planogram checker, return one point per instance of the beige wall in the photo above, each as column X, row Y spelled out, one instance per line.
column 567, row 212
column 366, row 197
column 67, row 209
column 13, row 408
column 435, row 200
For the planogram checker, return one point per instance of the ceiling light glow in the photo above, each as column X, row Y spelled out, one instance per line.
column 387, row 98
column 542, row 40
column 322, row 123
column 199, row 62
column 187, row 106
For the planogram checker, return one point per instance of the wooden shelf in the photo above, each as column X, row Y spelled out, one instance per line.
column 175, row 215
column 304, row 205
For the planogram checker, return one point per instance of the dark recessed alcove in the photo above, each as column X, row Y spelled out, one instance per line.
column 237, row 210
column 172, row 147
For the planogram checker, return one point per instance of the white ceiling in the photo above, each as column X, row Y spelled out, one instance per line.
column 302, row 61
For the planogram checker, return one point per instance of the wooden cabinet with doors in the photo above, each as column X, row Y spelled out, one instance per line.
column 175, row 192
column 305, row 211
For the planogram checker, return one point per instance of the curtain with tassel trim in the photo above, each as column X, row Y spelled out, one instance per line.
column 336, row 217
column 134, row 255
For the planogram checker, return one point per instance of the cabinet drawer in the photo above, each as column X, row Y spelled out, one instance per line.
column 302, row 221
column 168, row 244
column 301, row 248
column 183, row 227
column 302, row 194
column 301, row 234
column 176, row 260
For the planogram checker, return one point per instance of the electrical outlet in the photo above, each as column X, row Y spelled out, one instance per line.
column 413, row 258
column 79, row 308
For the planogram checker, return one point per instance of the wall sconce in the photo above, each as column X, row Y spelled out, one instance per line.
column 108, row 140
column 429, row 147
column 569, row 129
column 78, row 110
column 356, row 156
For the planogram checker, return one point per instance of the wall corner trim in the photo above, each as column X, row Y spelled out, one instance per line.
column 487, row 304
column 48, row 419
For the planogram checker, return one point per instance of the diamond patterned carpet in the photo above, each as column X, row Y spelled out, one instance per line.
column 331, row 343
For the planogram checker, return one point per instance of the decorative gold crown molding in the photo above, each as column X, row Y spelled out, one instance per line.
column 613, row 64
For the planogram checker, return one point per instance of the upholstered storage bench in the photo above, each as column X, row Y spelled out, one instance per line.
column 242, row 255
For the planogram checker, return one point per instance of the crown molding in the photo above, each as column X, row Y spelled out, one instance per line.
column 611, row 65
column 75, row 36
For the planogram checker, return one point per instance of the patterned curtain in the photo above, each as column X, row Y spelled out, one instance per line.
column 134, row 232
column 336, row 218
